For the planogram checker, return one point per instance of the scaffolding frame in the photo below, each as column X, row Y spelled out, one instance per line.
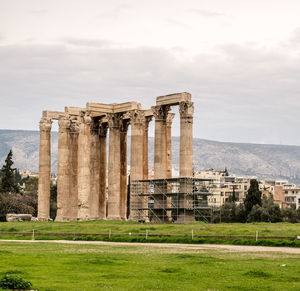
column 170, row 200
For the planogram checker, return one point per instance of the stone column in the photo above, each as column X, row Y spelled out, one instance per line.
column 95, row 171
column 84, row 175
column 103, row 166
column 44, row 170
column 186, row 110
column 114, row 167
column 137, row 119
column 146, row 147
column 169, row 122
column 63, row 170
column 123, row 164
column 73, row 198
column 160, row 162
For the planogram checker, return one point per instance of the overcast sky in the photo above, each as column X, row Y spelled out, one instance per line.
column 239, row 59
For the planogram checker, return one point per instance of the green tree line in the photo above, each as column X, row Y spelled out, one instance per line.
column 20, row 195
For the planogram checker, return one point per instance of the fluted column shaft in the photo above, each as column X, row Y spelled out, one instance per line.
column 44, row 170
column 186, row 110
column 84, row 175
column 160, row 161
column 103, row 166
column 95, row 171
column 73, row 195
column 186, row 139
column 123, row 168
column 169, row 122
column 146, row 148
column 63, row 170
column 114, row 168
column 137, row 119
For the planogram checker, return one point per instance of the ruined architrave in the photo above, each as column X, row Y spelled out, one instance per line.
column 92, row 187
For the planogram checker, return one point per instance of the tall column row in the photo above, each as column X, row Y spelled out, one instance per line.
column 82, row 164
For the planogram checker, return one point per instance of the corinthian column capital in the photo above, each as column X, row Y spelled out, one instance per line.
column 170, row 118
column 102, row 128
column 113, row 120
column 45, row 124
column 160, row 112
column 74, row 125
column 186, row 109
column 86, row 117
column 63, row 123
column 137, row 117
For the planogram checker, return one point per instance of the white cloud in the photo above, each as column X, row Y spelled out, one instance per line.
column 244, row 77
column 241, row 92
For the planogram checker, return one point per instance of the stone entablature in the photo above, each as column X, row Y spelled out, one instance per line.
column 82, row 157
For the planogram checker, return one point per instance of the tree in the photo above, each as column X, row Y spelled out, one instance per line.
column 31, row 186
column 53, row 201
column 256, row 213
column 253, row 196
column 240, row 213
column 226, row 172
column 290, row 214
column 8, row 183
column 233, row 197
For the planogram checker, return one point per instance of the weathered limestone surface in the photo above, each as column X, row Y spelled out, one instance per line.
column 95, row 172
column 63, row 171
column 114, row 168
column 12, row 217
column 146, row 147
column 123, row 165
column 103, row 164
column 44, row 170
column 73, row 195
column 137, row 118
column 186, row 139
column 169, row 122
column 160, row 159
column 84, row 174
column 173, row 99
column 50, row 115
column 186, row 110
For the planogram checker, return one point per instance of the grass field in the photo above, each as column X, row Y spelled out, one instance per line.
column 181, row 233
column 51, row 266
column 199, row 228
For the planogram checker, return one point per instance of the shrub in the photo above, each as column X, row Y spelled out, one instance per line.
column 14, row 283
column 14, row 203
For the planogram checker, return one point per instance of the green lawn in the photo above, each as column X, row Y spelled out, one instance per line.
column 180, row 233
column 51, row 266
column 199, row 228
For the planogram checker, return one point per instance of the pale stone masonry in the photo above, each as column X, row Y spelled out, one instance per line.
column 44, row 169
column 82, row 157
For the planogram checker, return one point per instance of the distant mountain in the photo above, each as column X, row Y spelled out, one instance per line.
column 263, row 161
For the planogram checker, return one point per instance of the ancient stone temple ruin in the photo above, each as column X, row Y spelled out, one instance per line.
column 92, row 186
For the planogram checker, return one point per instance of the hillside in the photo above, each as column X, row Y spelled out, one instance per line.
column 264, row 161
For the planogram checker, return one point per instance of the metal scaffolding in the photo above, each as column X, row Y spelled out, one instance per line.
column 170, row 200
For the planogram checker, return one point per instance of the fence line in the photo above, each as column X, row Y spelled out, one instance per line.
column 110, row 234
